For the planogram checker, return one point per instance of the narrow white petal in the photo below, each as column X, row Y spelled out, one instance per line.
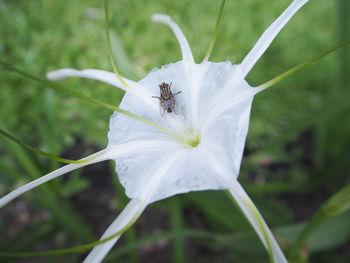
column 100, row 156
column 269, row 35
column 110, row 78
column 185, row 47
column 257, row 222
column 130, row 213
column 247, row 206
column 96, row 74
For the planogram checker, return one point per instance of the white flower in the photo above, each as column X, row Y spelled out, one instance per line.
column 205, row 140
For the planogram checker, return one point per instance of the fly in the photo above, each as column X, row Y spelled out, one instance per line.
column 167, row 98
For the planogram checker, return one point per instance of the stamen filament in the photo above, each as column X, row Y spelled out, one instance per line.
column 72, row 249
column 299, row 67
column 110, row 52
column 53, row 157
column 211, row 45
column 103, row 104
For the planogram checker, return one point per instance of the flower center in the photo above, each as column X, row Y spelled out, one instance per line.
column 192, row 138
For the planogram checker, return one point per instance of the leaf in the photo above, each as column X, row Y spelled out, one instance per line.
column 337, row 204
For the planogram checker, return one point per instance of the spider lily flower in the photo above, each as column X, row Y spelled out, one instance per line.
column 204, row 140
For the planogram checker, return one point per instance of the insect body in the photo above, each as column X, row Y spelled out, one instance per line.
column 167, row 98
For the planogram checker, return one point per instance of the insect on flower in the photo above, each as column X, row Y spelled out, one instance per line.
column 167, row 98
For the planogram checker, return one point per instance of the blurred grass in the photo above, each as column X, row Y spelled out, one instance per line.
column 298, row 140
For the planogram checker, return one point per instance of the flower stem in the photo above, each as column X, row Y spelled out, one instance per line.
column 218, row 20
column 337, row 204
column 303, row 236
column 299, row 67
column 177, row 246
column 343, row 67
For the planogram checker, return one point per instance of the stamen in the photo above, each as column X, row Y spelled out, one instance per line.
column 72, row 249
column 192, row 138
column 96, row 157
column 207, row 55
column 103, row 104
column 299, row 67
column 110, row 52
column 50, row 156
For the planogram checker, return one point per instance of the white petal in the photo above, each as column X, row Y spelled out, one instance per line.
column 185, row 47
column 141, row 174
column 130, row 213
column 107, row 77
column 150, row 192
column 100, row 156
column 256, row 220
column 227, row 95
column 101, row 75
column 130, row 148
column 199, row 76
column 238, row 103
column 269, row 35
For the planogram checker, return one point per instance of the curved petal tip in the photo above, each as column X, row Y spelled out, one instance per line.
column 160, row 18
column 60, row 74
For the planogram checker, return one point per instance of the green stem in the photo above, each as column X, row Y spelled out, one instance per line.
column 177, row 246
column 73, row 93
column 343, row 9
column 337, row 204
column 299, row 67
column 218, row 20
column 294, row 251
